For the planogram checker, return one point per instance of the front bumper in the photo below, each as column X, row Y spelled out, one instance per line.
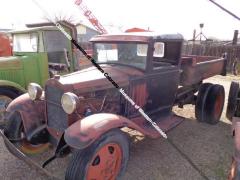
column 16, row 152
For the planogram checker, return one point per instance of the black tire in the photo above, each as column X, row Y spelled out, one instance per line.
column 82, row 160
column 14, row 131
column 200, row 102
column 9, row 94
column 214, row 104
column 232, row 100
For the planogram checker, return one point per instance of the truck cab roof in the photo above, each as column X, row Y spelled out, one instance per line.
column 27, row 30
column 137, row 37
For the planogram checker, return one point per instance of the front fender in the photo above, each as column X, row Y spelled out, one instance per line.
column 85, row 131
column 32, row 112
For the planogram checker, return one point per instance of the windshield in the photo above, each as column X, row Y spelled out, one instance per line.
column 55, row 41
column 132, row 54
column 25, row 42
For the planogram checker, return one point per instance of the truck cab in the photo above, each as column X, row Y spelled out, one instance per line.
column 156, row 56
column 38, row 53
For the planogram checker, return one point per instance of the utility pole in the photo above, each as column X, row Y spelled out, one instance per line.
column 235, row 37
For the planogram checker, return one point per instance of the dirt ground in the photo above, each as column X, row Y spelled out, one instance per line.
column 193, row 151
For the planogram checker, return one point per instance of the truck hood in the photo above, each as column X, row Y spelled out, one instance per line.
column 92, row 79
column 10, row 62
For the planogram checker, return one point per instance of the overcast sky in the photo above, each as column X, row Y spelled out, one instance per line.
column 164, row 16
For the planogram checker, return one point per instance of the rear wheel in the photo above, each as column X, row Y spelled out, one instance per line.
column 209, row 105
column 106, row 158
column 201, row 101
column 214, row 104
column 6, row 96
column 14, row 131
column 233, row 100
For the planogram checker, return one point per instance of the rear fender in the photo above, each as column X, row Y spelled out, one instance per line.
column 32, row 112
column 85, row 131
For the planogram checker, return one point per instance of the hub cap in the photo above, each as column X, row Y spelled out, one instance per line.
column 106, row 163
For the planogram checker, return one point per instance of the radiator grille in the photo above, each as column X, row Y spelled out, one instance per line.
column 12, row 75
column 57, row 118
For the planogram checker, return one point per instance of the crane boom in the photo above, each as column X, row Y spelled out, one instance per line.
column 91, row 18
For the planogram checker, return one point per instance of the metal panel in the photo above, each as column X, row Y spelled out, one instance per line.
column 12, row 75
column 57, row 118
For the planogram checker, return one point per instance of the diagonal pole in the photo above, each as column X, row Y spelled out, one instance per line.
column 224, row 9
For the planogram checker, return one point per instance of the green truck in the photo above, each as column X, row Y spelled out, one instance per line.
column 38, row 53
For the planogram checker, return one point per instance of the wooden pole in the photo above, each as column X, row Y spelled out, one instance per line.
column 235, row 37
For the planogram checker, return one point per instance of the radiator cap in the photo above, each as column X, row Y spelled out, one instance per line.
column 56, row 76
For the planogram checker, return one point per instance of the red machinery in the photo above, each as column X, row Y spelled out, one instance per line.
column 89, row 15
column 5, row 45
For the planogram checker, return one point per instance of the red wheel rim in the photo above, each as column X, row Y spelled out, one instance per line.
column 106, row 163
column 218, row 106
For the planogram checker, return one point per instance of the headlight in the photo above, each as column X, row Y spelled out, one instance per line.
column 69, row 102
column 35, row 91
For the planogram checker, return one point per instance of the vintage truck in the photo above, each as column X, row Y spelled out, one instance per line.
column 233, row 114
column 83, row 114
column 38, row 52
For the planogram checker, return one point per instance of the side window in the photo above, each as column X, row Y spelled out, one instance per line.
column 158, row 49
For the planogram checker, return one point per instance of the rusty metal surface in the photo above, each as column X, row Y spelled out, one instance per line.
column 84, row 132
column 91, row 79
column 165, row 122
column 32, row 112
column 197, row 68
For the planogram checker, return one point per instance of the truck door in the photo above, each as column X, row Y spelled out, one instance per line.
column 163, row 78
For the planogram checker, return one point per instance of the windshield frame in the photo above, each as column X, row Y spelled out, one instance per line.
column 24, row 33
column 122, row 42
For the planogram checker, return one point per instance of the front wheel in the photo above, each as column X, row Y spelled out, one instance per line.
column 106, row 158
column 6, row 97
column 14, row 131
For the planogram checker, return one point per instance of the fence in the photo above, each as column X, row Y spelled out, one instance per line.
column 233, row 52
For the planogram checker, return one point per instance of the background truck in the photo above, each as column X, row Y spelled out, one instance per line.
column 83, row 114
column 39, row 52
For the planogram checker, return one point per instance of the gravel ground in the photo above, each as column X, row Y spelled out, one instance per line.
column 194, row 151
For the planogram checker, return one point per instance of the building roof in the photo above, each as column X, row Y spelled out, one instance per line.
column 78, row 24
column 135, row 29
